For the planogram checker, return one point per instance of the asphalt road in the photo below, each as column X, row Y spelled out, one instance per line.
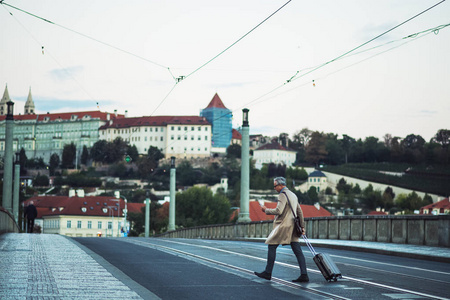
column 213, row 269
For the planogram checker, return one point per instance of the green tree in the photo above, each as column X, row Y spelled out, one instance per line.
column 23, row 159
column 53, row 163
column 313, row 195
column 343, row 186
column 186, row 174
column 234, row 151
column 68, row 155
column 98, row 151
column 133, row 152
column 84, row 155
column 197, row 206
column 443, row 138
column 409, row 203
column 336, row 154
column 347, row 143
column 356, row 189
column 315, row 149
column 413, row 147
column 41, row 180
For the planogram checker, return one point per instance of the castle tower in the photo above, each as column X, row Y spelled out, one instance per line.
column 29, row 105
column 5, row 99
column 220, row 118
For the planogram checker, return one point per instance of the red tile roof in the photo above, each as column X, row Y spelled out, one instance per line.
column 309, row 211
column 273, row 146
column 375, row 213
column 94, row 114
column 135, row 207
column 78, row 206
column 236, row 135
column 216, row 102
column 156, row 121
column 440, row 205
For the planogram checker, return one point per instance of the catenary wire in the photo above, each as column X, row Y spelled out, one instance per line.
column 47, row 52
column 263, row 21
column 89, row 37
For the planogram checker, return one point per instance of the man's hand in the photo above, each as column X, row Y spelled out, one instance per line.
column 263, row 208
column 303, row 230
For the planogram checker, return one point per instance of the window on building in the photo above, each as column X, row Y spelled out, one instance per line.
column 185, row 128
column 199, row 128
column 99, row 225
column 192, row 128
column 179, row 137
column 89, row 224
column 69, row 224
column 206, row 128
column 192, row 137
column 179, row 128
column 172, row 137
column 206, row 137
column 156, row 129
column 78, row 224
column 199, row 138
column 161, row 139
column 109, row 225
column 172, row 128
column 185, row 137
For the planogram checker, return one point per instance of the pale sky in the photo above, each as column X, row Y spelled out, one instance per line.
column 398, row 86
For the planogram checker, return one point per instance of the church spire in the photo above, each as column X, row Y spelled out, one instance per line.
column 5, row 99
column 29, row 105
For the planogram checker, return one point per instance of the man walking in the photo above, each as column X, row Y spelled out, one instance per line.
column 283, row 232
column 30, row 213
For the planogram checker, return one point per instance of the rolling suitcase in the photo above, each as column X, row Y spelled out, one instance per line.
column 324, row 262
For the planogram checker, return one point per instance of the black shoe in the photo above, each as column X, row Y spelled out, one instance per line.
column 264, row 275
column 302, row 278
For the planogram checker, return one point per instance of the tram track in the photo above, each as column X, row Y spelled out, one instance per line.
column 274, row 279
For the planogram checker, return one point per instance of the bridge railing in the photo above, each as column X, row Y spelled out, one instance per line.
column 7, row 222
column 427, row 230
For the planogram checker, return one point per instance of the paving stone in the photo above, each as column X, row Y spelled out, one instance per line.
column 47, row 267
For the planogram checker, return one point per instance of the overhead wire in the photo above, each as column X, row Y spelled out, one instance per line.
column 238, row 40
column 181, row 78
column 296, row 76
column 47, row 52
column 414, row 35
column 89, row 37
column 424, row 34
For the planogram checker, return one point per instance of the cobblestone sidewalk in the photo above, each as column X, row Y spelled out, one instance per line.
column 39, row 266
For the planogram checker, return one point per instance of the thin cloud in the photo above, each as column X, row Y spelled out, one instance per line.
column 66, row 73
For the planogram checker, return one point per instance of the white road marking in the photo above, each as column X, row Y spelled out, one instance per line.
column 392, row 265
column 310, row 270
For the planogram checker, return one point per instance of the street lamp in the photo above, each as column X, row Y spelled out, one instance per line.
column 16, row 187
column 244, row 215
column 112, row 216
column 172, row 194
column 125, row 211
column 8, row 158
column 10, row 110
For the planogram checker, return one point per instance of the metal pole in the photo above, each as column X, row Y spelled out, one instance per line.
column 125, row 226
column 8, row 158
column 244, row 215
column 147, row 214
column 16, row 189
column 172, row 195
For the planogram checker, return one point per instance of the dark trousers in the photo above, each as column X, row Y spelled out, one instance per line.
column 30, row 225
column 295, row 246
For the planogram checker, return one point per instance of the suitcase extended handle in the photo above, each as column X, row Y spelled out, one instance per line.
column 310, row 247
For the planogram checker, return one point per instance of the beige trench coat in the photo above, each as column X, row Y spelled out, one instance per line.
column 283, row 225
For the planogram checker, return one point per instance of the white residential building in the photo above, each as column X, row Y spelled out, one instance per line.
column 273, row 153
column 179, row 136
